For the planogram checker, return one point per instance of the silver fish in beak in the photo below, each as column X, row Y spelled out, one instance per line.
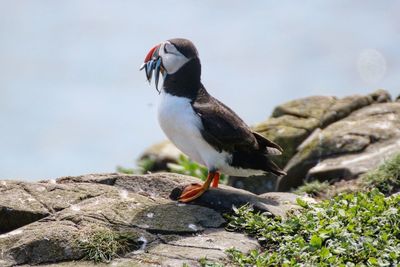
column 153, row 64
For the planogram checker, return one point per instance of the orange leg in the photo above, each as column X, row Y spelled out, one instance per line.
column 216, row 180
column 194, row 191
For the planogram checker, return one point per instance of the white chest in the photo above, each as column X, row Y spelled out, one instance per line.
column 180, row 123
column 182, row 126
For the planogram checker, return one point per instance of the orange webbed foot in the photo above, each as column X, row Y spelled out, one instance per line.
column 194, row 191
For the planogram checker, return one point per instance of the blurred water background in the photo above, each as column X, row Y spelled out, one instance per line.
column 72, row 100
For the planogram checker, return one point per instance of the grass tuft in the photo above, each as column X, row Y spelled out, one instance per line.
column 103, row 244
column 386, row 177
column 204, row 262
column 314, row 188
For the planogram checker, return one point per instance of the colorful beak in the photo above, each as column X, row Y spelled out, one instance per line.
column 153, row 63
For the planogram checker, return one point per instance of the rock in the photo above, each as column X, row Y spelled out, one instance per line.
column 177, row 219
column 284, row 202
column 212, row 244
column 224, row 198
column 162, row 232
column 255, row 184
column 51, row 242
column 23, row 203
column 347, row 148
column 18, row 207
column 154, row 185
column 160, row 155
column 293, row 122
column 177, row 251
column 381, row 96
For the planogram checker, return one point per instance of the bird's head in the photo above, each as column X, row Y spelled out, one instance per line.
column 168, row 58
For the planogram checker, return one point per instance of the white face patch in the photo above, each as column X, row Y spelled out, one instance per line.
column 172, row 59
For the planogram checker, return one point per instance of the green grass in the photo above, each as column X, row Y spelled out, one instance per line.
column 143, row 167
column 353, row 229
column 204, row 262
column 314, row 188
column 125, row 170
column 103, row 244
column 386, row 177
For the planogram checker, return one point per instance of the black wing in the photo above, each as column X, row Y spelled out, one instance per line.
column 224, row 130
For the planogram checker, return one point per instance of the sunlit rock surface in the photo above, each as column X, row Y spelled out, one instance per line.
column 347, row 148
column 293, row 122
column 43, row 222
column 160, row 155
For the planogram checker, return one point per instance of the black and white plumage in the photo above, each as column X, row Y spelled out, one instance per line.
column 202, row 127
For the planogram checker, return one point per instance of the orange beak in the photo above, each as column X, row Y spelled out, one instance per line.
column 153, row 63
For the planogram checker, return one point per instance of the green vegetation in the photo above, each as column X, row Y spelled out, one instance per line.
column 143, row 167
column 103, row 244
column 184, row 166
column 314, row 188
column 204, row 262
column 386, row 177
column 358, row 228
column 189, row 167
column 125, row 170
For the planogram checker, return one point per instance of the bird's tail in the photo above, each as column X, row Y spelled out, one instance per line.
column 256, row 161
column 273, row 168
column 267, row 145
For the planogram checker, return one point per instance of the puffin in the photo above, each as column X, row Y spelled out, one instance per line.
column 201, row 126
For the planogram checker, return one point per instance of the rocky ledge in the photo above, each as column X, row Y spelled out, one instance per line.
column 46, row 223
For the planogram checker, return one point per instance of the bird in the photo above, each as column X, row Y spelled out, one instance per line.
column 201, row 126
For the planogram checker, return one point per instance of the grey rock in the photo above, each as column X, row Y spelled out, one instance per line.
column 34, row 244
column 284, row 202
column 177, row 218
column 177, row 251
column 18, row 207
column 23, row 203
column 161, row 154
column 224, row 198
column 165, row 233
column 212, row 244
column 347, row 148
column 152, row 185
column 293, row 122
